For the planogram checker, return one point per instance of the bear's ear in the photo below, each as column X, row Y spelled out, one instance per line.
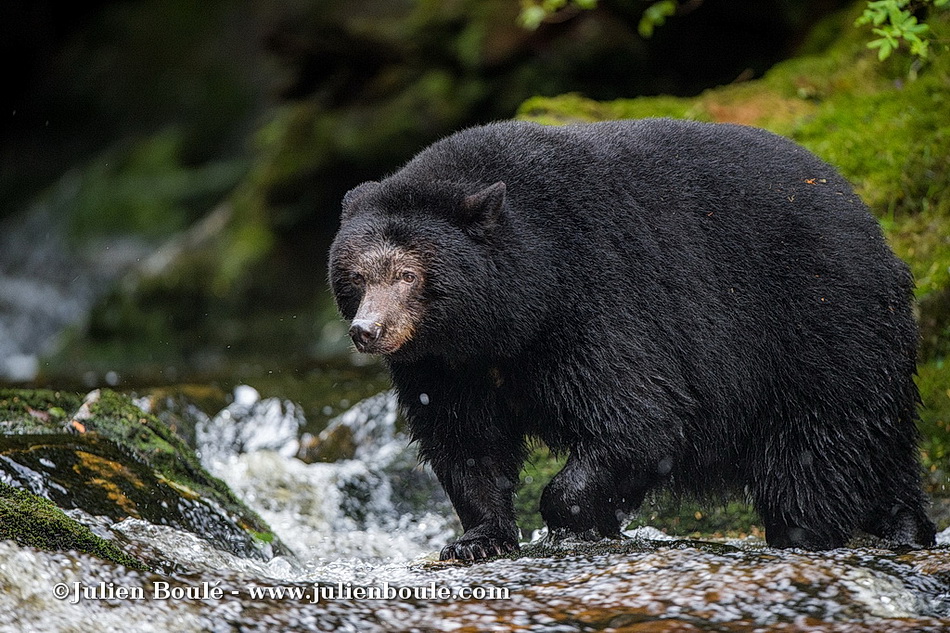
column 356, row 193
column 484, row 207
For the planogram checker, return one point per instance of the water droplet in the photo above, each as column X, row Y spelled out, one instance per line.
column 245, row 395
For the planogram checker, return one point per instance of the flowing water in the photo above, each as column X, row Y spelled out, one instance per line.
column 365, row 532
column 52, row 284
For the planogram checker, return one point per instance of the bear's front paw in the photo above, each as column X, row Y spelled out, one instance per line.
column 479, row 544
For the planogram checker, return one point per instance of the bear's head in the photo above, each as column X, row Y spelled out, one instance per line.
column 410, row 267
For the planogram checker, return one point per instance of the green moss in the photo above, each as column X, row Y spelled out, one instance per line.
column 263, row 537
column 33, row 521
column 888, row 133
column 35, row 411
column 107, row 456
column 116, row 417
column 935, row 424
column 574, row 108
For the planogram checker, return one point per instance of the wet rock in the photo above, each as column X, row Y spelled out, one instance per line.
column 35, row 521
column 360, row 430
column 105, row 456
column 332, row 445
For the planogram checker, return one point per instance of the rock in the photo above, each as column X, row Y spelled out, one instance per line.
column 105, row 456
column 36, row 522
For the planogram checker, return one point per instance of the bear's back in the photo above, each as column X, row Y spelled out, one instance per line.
column 648, row 167
column 700, row 236
column 699, row 189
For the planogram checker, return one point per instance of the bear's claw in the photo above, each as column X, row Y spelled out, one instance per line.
column 477, row 548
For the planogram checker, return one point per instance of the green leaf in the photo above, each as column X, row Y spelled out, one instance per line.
column 655, row 16
column 896, row 15
column 885, row 51
column 532, row 16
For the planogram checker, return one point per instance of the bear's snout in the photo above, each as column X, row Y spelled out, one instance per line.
column 365, row 332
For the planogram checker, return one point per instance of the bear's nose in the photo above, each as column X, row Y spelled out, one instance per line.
column 364, row 331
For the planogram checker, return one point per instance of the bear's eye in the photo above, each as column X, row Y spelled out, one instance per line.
column 408, row 276
column 357, row 279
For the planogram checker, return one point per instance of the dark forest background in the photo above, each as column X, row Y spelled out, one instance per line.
column 170, row 171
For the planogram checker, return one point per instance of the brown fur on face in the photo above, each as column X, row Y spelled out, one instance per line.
column 391, row 280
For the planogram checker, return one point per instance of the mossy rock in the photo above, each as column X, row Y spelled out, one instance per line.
column 106, row 456
column 34, row 521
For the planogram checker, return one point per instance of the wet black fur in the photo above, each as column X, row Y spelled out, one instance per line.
column 709, row 307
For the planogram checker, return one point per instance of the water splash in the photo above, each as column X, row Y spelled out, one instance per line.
column 247, row 425
column 379, row 506
column 28, row 602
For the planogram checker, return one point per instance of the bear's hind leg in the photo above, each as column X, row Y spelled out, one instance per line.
column 802, row 505
column 782, row 530
column 902, row 525
column 591, row 498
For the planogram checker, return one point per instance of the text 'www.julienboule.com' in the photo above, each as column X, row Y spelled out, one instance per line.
column 315, row 593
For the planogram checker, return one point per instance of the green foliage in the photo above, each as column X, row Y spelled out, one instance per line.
column 894, row 21
column 935, row 424
column 539, row 469
column 145, row 189
column 732, row 517
column 655, row 16
column 534, row 12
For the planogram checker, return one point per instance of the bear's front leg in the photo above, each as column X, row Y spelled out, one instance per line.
column 475, row 446
column 481, row 487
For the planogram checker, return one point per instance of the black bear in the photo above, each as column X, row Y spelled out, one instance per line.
column 704, row 306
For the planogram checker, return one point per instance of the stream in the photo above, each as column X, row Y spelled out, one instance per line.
column 365, row 534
